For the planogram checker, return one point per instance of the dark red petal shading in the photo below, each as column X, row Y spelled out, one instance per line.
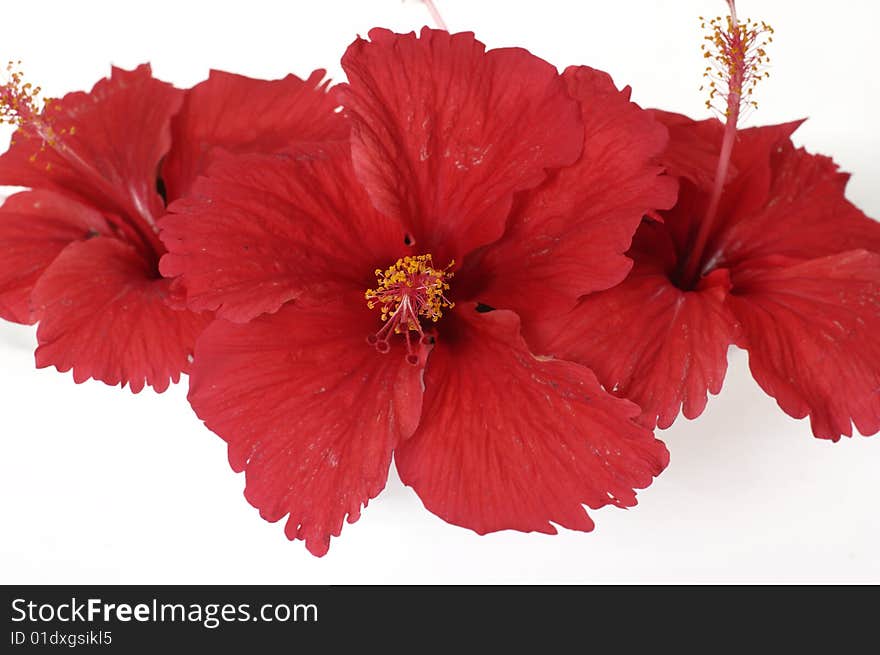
column 311, row 413
column 511, row 441
column 805, row 214
column 241, row 114
column 649, row 341
column 813, row 334
column 103, row 314
column 263, row 230
column 567, row 237
column 120, row 132
column 445, row 133
column 35, row 226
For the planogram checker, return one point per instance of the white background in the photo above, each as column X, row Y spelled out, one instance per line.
column 100, row 486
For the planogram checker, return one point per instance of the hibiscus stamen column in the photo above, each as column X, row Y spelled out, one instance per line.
column 408, row 291
column 18, row 101
column 737, row 53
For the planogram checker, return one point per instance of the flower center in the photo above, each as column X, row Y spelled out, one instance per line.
column 408, row 292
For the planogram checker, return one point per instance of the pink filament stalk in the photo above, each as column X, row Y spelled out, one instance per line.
column 435, row 15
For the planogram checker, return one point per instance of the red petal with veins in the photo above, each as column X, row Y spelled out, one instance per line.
column 752, row 156
column 35, row 226
column 311, row 413
column 693, row 148
column 262, row 230
column 103, row 314
column 444, row 133
column 119, row 132
column 241, row 115
column 511, row 441
column 649, row 341
column 567, row 237
column 805, row 214
column 812, row 330
column 692, row 154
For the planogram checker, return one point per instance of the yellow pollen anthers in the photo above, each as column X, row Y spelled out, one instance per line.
column 738, row 61
column 18, row 99
column 409, row 291
column 21, row 107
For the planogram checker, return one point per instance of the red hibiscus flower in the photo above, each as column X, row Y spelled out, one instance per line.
column 81, row 248
column 371, row 298
column 762, row 251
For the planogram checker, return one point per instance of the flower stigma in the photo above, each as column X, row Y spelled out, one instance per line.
column 21, row 107
column 409, row 291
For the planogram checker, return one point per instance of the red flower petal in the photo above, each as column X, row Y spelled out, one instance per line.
column 112, row 166
column 649, row 341
column 804, row 214
column 693, row 147
column 104, row 316
column 813, row 334
column 35, row 226
column 311, row 413
column 261, row 231
column 567, row 238
column 445, row 133
column 511, row 441
column 241, row 115
column 692, row 154
column 752, row 156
